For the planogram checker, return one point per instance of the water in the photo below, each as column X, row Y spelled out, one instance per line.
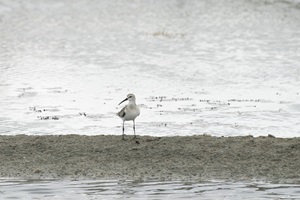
column 223, row 68
column 91, row 190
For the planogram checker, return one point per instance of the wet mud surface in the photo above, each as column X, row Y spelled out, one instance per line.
column 150, row 158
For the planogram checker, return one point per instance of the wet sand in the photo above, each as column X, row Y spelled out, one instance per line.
column 150, row 158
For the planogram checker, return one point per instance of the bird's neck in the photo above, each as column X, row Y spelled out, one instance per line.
column 131, row 103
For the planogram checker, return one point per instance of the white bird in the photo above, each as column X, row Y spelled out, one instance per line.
column 129, row 112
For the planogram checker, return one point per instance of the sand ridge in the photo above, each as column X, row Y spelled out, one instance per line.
column 200, row 157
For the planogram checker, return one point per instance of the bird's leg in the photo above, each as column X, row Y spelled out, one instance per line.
column 123, row 135
column 134, row 129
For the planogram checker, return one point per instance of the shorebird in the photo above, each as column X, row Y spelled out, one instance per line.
column 129, row 112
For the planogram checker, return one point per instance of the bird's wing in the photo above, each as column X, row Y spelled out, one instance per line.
column 122, row 113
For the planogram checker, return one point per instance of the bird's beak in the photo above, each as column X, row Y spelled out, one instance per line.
column 123, row 101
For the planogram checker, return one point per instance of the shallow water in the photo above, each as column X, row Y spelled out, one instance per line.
column 218, row 67
column 90, row 190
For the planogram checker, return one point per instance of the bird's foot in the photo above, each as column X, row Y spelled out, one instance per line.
column 123, row 138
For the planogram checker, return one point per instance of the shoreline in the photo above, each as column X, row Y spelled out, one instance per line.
column 185, row 158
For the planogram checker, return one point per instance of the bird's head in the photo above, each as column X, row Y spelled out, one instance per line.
column 130, row 98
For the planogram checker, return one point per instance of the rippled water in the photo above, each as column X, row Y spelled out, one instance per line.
column 91, row 190
column 219, row 67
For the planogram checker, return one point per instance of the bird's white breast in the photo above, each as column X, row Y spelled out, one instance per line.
column 131, row 112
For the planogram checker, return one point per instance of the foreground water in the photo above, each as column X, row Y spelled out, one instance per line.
column 91, row 190
column 218, row 67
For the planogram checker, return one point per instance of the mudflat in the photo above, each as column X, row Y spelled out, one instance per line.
column 200, row 157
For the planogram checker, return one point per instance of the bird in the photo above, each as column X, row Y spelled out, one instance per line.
column 129, row 112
